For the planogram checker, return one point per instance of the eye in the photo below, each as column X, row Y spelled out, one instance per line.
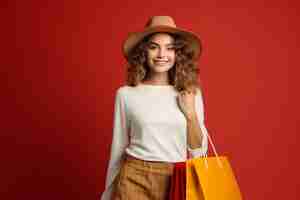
column 151, row 46
column 171, row 48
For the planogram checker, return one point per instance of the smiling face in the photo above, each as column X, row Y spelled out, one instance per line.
column 160, row 53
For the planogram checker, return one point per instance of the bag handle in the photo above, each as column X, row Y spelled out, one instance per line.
column 214, row 150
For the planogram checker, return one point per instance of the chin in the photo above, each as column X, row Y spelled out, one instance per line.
column 161, row 69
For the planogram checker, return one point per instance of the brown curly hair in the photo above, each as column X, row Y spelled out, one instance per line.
column 183, row 76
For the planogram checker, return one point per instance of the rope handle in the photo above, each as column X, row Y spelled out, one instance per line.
column 214, row 150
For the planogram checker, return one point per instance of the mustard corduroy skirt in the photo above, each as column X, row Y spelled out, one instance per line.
column 143, row 180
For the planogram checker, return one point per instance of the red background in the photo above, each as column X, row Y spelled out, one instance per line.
column 61, row 64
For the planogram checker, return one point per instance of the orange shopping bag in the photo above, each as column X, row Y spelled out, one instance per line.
column 211, row 178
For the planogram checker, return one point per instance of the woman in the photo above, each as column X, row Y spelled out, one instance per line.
column 159, row 115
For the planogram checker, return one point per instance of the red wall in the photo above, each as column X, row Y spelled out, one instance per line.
column 61, row 64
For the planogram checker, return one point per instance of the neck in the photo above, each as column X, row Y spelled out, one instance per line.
column 157, row 79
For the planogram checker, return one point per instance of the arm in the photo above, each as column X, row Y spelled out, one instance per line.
column 197, row 132
column 195, row 135
column 120, row 140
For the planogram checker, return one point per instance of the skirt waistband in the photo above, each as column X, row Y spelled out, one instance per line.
column 150, row 164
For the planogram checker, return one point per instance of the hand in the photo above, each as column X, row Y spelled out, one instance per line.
column 186, row 101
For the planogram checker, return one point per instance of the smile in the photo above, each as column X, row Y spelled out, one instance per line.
column 161, row 61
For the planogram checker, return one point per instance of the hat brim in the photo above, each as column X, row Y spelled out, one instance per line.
column 135, row 37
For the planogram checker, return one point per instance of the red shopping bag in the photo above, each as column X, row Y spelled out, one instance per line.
column 178, row 182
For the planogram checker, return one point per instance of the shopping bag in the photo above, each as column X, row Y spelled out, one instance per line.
column 193, row 187
column 206, row 178
column 211, row 178
column 178, row 182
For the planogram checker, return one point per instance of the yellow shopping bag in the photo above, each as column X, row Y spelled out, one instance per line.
column 211, row 178
column 193, row 187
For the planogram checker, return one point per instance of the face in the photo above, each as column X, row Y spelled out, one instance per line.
column 161, row 53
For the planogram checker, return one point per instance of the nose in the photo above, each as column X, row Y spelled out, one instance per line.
column 161, row 53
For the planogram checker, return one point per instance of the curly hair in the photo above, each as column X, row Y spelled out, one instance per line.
column 183, row 75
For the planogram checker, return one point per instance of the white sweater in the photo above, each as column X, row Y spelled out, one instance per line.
column 149, row 125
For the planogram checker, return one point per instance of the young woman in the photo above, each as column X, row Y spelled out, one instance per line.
column 159, row 114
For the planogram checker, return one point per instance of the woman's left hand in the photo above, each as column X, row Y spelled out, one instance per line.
column 186, row 101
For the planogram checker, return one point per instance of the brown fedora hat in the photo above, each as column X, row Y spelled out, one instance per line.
column 161, row 24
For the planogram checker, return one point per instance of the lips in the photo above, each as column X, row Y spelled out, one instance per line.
column 161, row 61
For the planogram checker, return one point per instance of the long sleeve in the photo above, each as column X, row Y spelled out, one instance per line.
column 200, row 115
column 120, row 140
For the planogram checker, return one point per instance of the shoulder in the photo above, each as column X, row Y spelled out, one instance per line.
column 123, row 90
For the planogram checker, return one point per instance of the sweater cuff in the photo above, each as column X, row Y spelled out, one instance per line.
column 197, row 152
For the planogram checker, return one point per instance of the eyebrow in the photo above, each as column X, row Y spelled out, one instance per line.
column 151, row 42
